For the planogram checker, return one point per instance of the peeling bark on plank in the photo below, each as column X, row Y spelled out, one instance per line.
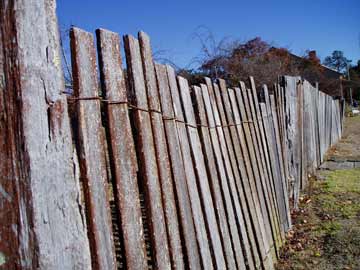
column 238, row 184
column 201, row 173
column 162, row 155
column 178, row 170
column 92, row 150
column 193, row 188
column 227, row 183
column 215, row 179
column 146, row 154
column 41, row 219
column 123, row 159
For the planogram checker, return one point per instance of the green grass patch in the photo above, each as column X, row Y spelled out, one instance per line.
column 326, row 232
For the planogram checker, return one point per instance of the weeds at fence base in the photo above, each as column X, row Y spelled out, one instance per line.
column 326, row 232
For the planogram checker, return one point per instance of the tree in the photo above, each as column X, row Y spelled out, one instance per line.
column 337, row 60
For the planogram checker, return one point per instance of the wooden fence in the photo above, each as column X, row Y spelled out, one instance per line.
column 147, row 172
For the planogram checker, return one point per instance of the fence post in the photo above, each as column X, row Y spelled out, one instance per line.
column 42, row 224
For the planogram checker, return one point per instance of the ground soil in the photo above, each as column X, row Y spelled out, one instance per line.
column 326, row 231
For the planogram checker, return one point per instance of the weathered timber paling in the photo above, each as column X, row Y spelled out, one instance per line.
column 252, row 96
column 121, row 144
column 250, row 165
column 238, row 178
column 200, row 170
column 92, row 150
column 214, row 178
column 162, row 156
column 194, row 177
column 198, row 216
column 227, row 183
column 256, row 115
column 257, row 166
column 178, row 170
column 147, row 155
column 40, row 211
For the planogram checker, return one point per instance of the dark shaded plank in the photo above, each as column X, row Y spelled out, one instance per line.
column 227, row 182
column 194, row 190
column 178, row 170
column 200, row 169
column 162, row 155
column 146, row 154
column 92, row 149
column 122, row 148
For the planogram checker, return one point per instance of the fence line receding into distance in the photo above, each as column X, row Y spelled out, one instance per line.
column 171, row 175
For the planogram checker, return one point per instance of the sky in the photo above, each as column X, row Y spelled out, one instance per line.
column 301, row 25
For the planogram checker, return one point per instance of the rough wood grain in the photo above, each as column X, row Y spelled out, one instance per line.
column 40, row 210
column 183, row 201
column 162, row 155
column 256, row 114
column 280, row 185
column 253, row 113
column 146, row 154
column 193, row 188
column 214, row 181
column 92, row 149
column 257, row 165
column 202, row 177
column 250, row 163
column 227, row 182
column 275, row 168
column 122, row 148
column 238, row 184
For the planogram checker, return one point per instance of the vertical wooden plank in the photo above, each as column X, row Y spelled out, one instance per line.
column 254, row 110
column 214, row 179
column 41, row 218
column 230, row 113
column 92, row 150
column 269, row 129
column 253, row 96
column 122, row 148
column 257, row 165
column 201, row 173
column 228, row 185
column 146, row 154
column 162, row 155
column 247, row 147
column 280, row 161
column 290, row 85
column 178, row 170
column 240, row 184
column 198, row 216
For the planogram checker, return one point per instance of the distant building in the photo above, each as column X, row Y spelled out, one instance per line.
column 330, row 80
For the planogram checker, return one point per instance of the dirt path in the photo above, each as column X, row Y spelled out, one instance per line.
column 326, row 232
column 348, row 148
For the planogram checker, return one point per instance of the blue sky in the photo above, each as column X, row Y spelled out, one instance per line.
column 318, row 25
